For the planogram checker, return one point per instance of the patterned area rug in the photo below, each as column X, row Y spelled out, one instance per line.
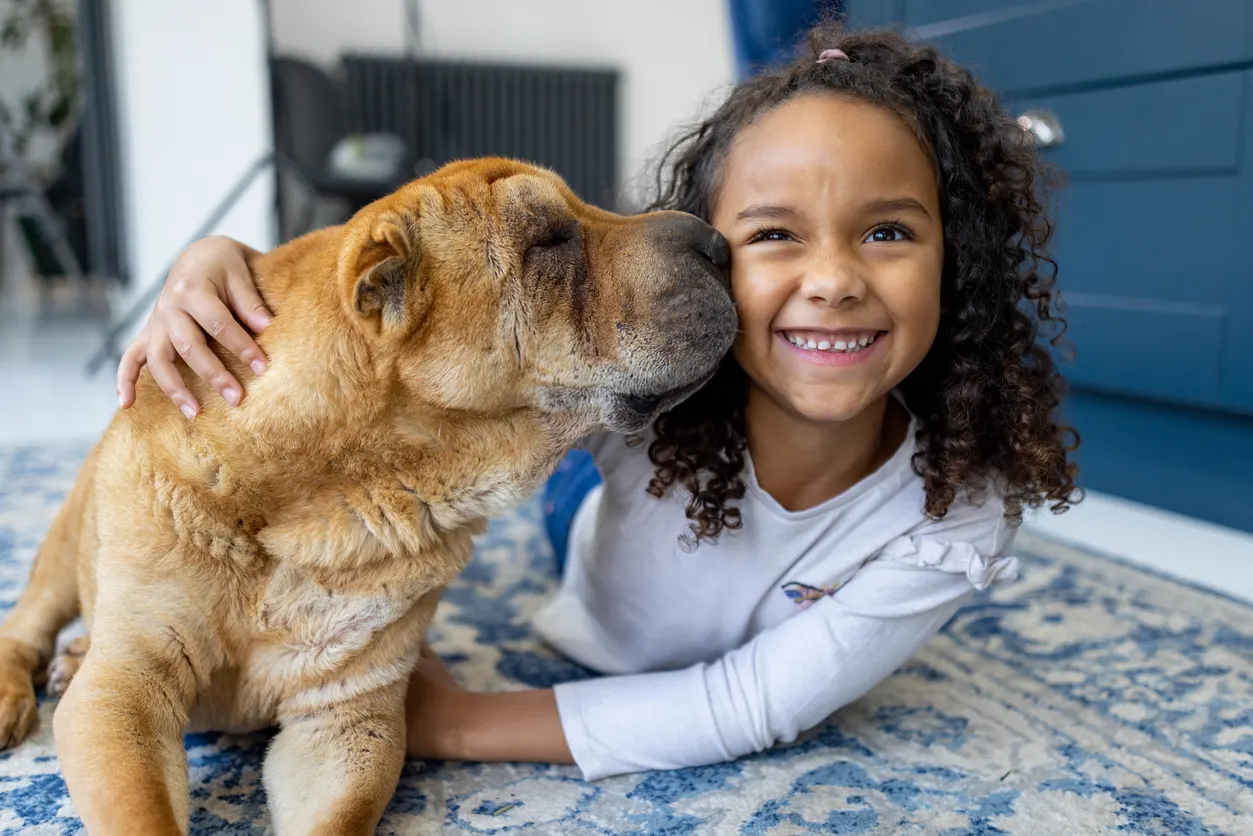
column 1089, row 697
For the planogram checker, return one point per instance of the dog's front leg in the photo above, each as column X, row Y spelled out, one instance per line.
column 119, row 736
column 333, row 767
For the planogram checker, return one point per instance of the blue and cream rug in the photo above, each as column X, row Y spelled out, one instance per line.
column 1088, row 698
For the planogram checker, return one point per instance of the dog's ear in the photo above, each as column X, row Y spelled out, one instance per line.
column 385, row 271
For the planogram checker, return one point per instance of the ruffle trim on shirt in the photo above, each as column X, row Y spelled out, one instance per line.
column 953, row 558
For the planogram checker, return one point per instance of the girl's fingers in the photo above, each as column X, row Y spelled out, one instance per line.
column 241, row 292
column 189, row 341
column 161, row 366
column 218, row 322
column 133, row 360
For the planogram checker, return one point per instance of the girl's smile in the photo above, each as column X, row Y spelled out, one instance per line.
column 832, row 348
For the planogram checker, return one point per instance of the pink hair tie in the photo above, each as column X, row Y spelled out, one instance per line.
column 832, row 55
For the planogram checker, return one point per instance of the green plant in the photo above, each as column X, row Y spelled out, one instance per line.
column 53, row 104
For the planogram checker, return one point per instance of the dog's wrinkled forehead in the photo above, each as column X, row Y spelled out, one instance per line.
column 533, row 201
column 535, row 185
column 500, row 185
column 503, row 205
column 514, row 211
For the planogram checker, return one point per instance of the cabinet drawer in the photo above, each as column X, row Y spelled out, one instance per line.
column 1044, row 47
column 1165, row 349
column 1152, row 272
column 1153, row 242
column 1191, row 461
column 1169, row 128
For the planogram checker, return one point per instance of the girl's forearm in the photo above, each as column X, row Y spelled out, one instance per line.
column 507, row 726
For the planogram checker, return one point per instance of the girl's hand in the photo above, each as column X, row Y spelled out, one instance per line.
column 447, row 722
column 207, row 277
column 432, row 710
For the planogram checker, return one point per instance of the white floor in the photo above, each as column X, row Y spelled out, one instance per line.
column 45, row 397
column 45, row 340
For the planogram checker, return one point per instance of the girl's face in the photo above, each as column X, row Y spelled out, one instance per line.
column 833, row 215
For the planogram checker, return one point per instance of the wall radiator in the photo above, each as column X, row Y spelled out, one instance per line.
column 563, row 118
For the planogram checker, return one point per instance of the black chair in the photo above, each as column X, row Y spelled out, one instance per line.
column 49, row 221
column 309, row 121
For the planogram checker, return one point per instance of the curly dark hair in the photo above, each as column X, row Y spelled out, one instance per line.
column 987, row 393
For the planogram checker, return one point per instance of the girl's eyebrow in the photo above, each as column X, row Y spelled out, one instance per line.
column 896, row 204
column 780, row 212
column 766, row 212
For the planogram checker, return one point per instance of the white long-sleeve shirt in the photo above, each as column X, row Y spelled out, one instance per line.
column 726, row 650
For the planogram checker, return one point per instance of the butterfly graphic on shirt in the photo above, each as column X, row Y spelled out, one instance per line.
column 804, row 595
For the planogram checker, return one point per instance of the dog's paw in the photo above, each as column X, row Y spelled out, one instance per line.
column 17, row 706
column 65, row 664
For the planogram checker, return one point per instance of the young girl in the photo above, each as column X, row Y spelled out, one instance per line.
column 790, row 535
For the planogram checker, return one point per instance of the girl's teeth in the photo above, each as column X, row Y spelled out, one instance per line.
column 852, row 345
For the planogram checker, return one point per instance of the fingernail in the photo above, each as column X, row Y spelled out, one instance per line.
column 121, row 401
column 258, row 368
column 232, row 397
column 189, row 412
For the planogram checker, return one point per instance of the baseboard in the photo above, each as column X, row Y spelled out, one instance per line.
column 1192, row 550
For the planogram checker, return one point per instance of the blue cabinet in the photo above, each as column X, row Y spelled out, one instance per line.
column 1155, row 225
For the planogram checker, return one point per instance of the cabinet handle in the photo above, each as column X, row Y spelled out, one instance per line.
column 1044, row 128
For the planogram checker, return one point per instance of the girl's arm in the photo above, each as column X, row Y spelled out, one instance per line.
column 786, row 680
column 208, row 288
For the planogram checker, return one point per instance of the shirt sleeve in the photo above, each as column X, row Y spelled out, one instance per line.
column 791, row 677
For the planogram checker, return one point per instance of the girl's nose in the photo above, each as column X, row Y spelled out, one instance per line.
column 833, row 281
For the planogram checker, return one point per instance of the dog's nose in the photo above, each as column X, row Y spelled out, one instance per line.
column 715, row 248
column 692, row 233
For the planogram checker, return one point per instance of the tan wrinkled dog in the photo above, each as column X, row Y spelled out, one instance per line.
column 277, row 563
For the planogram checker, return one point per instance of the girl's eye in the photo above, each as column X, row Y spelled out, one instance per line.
column 888, row 233
column 770, row 235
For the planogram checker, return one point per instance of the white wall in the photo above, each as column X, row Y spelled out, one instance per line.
column 194, row 111
column 674, row 54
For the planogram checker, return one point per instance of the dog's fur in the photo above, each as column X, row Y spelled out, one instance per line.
column 276, row 564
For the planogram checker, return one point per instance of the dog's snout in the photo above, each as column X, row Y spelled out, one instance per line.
column 691, row 233
column 686, row 321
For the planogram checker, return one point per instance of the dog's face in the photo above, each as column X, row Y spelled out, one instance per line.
column 488, row 287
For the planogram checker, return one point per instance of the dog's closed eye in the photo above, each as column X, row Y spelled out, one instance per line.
column 555, row 238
